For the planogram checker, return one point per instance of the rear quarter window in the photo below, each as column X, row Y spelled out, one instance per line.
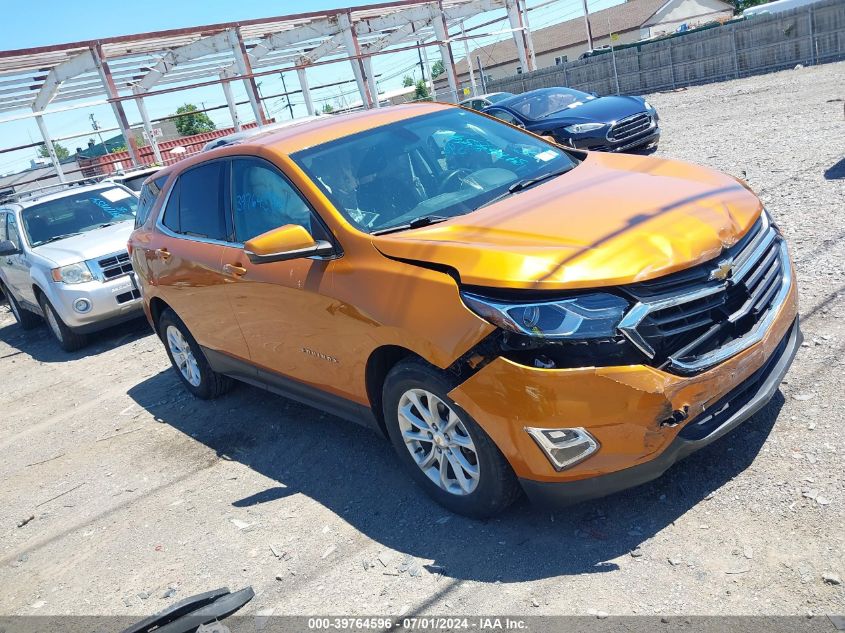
column 148, row 196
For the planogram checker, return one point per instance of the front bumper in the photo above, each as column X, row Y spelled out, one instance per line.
column 600, row 143
column 722, row 417
column 624, row 408
column 112, row 302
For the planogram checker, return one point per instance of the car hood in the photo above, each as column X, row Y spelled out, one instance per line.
column 89, row 245
column 603, row 110
column 614, row 219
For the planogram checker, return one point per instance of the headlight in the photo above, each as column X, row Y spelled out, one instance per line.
column 564, row 447
column 73, row 273
column 580, row 128
column 647, row 105
column 584, row 317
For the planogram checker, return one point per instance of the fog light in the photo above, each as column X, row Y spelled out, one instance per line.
column 564, row 447
column 82, row 306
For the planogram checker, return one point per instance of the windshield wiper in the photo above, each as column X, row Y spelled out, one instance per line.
column 416, row 223
column 56, row 238
column 525, row 183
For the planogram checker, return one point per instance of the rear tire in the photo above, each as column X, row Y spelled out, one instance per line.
column 26, row 319
column 67, row 339
column 442, row 447
column 188, row 361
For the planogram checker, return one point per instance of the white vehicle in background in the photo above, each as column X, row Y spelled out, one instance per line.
column 133, row 178
column 63, row 258
column 484, row 101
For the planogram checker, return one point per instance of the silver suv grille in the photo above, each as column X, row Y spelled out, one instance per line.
column 115, row 265
column 629, row 127
column 694, row 319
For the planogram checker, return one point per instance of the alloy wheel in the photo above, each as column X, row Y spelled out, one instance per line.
column 438, row 442
column 183, row 356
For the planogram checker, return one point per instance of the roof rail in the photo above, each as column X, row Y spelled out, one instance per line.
column 39, row 192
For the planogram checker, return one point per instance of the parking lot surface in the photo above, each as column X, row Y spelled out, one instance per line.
column 141, row 495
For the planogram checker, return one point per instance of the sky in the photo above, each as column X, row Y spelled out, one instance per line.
column 61, row 21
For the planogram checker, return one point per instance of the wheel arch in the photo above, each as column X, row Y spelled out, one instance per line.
column 157, row 308
column 379, row 364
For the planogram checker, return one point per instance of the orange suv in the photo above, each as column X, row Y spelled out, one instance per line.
column 511, row 314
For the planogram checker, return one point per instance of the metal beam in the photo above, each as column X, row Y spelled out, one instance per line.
column 116, row 104
column 515, row 19
column 230, row 101
column 82, row 63
column 148, row 127
column 285, row 39
column 354, row 51
column 206, row 46
column 306, row 91
column 244, row 67
column 51, row 150
column 442, row 31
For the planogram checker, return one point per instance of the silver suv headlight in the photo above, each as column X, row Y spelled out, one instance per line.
column 77, row 273
column 587, row 316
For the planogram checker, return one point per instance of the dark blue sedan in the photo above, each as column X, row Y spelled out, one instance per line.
column 583, row 121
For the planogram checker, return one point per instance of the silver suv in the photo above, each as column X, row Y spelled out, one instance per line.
column 63, row 257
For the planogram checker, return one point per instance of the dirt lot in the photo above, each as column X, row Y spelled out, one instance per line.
column 135, row 487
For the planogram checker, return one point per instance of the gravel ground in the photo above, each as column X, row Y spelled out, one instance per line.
column 136, row 488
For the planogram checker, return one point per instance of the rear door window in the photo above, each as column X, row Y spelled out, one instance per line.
column 12, row 230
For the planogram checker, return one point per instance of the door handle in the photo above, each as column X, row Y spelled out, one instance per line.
column 163, row 253
column 234, row 270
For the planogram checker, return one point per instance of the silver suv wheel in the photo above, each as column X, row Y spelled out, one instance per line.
column 183, row 357
column 438, row 442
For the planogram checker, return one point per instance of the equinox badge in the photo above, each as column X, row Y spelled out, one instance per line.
column 723, row 271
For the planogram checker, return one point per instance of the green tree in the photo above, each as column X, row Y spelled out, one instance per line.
column 421, row 91
column 328, row 108
column 190, row 124
column 437, row 68
column 742, row 5
column 407, row 81
column 61, row 151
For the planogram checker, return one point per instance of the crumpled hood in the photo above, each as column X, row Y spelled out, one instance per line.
column 614, row 219
column 89, row 245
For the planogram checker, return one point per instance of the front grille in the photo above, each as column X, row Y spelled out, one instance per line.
column 115, row 266
column 687, row 315
column 730, row 404
column 629, row 127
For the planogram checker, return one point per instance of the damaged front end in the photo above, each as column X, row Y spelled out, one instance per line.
column 599, row 383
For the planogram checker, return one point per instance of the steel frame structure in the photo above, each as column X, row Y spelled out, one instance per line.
column 134, row 67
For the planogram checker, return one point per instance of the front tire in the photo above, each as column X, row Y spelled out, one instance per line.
column 26, row 319
column 67, row 339
column 188, row 360
column 442, row 447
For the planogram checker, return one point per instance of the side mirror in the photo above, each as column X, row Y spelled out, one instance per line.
column 7, row 247
column 291, row 241
column 595, row 94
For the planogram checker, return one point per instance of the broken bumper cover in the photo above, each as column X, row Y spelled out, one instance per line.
column 720, row 418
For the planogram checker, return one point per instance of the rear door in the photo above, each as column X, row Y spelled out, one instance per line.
column 184, row 258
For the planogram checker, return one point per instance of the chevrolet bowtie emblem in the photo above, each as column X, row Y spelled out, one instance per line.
column 723, row 271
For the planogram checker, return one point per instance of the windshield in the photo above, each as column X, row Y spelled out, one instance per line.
column 77, row 213
column 498, row 96
column 542, row 103
column 439, row 165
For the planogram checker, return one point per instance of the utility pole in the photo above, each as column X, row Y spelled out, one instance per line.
column 287, row 96
column 96, row 128
column 587, row 22
column 422, row 66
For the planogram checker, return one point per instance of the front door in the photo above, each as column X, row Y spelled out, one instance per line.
column 184, row 258
column 284, row 308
